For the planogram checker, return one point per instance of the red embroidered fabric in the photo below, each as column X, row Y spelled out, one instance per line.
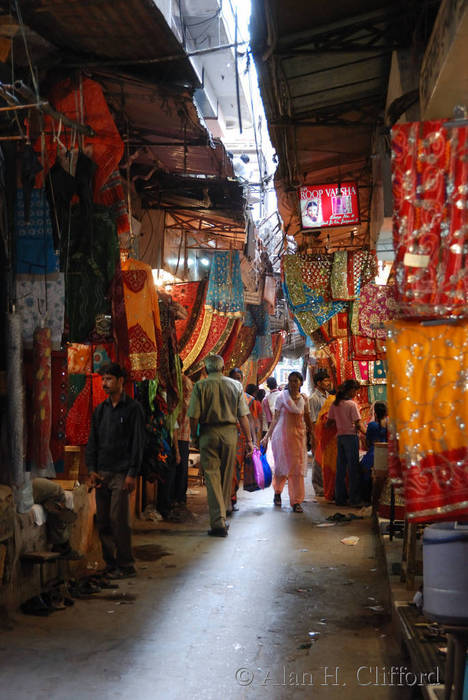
column 228, row 349
column 430, row 169
column 363, row 348
column 377, row 304
column 339, row 350
column 191, row 295
column 135, row 280
column 78, row 421
column 243, row 347
column 220, row 330
column 361, row 371
column 338, row 325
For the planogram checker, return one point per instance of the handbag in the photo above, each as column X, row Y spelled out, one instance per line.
column 267, row 476
column 258, row 468
column 257, row 472
column 250, row 483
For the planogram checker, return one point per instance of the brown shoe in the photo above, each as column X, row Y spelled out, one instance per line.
column 219, row 531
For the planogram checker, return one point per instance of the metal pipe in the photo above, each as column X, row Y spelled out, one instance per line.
column 12, row 108
column 45, row 106
column 151, row 61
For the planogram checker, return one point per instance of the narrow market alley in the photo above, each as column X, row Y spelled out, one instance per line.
column 279, row 609
column 233, row 349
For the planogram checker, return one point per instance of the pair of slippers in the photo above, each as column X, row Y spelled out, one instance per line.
column 45, row 604
column 341, row 518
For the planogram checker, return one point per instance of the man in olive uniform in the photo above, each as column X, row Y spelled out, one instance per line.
column 217, row 404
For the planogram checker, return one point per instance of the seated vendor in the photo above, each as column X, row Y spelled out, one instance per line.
column 51, row 497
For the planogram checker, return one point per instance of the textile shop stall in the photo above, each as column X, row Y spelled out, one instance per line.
column 81, row 299
column 427, row 352
column 336, row 303
column 92, row 302
column 219, row 320
column 427, row 387
column 78, row 286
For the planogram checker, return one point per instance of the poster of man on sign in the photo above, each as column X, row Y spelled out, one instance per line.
column 329, row 205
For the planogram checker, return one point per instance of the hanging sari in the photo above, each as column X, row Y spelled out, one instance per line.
column 428, row 403
column 326, row 449
column 142, row 319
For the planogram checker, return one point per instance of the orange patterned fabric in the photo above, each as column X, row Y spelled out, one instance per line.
column 79, row 358
column 86, row 105
column 326, row 449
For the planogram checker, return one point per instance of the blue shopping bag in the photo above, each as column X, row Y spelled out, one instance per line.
column 266, row 468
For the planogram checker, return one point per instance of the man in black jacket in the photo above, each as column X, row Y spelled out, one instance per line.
column 113, row 456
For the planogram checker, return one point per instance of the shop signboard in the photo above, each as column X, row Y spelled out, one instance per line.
column 329, row 205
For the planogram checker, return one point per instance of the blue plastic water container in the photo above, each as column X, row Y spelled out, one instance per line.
column 445, row 562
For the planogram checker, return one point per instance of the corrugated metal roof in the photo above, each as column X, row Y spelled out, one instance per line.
column 323, row 71
column 109, row 29
column 155, row 116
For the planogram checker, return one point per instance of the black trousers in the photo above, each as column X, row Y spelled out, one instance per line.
column 113, row 520
column 181, row 473
column 165, row 491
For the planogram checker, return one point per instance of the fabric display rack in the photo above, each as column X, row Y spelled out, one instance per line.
column 335, row 302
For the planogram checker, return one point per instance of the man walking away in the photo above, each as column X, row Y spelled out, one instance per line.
column 269, row 402
column 216, row 405
column 113, row 456
column 316, row 401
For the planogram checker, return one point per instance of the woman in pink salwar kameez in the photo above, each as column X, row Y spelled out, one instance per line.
column 288, row 442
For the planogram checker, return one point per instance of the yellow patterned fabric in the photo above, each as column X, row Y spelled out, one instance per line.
column 339, row 275
column 427, row 392
column 307, row 321
column 143, row 322
column 293, row 276
column 428, row 405
column 200, row 341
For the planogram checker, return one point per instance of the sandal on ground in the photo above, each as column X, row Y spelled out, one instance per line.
column 277, row 499
column 297, row 508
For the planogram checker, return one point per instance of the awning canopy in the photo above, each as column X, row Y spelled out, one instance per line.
column 110, row 32
column 162, row 127
column 323, row 70
column 170, row 156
